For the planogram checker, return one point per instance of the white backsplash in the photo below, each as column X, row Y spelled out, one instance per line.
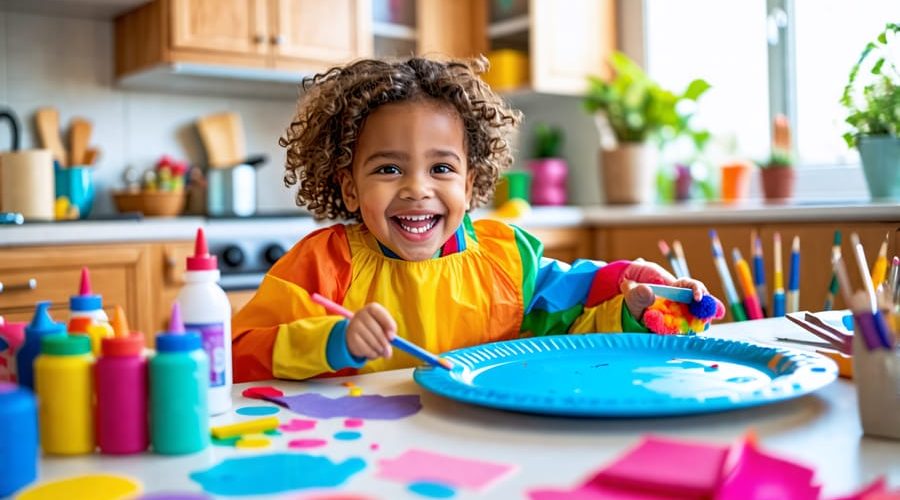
column 68, row 63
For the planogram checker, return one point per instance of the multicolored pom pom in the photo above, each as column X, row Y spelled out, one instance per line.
column 667, row 317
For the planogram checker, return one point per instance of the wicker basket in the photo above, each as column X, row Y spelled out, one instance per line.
column 150, row 203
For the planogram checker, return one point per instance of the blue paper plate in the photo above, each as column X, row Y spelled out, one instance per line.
column 626, row 375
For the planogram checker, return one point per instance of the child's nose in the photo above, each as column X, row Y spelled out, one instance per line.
column 416, row 187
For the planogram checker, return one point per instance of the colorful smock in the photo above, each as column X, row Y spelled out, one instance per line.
column 489, row 282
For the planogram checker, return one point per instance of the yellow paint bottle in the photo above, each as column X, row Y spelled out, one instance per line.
column 63, row 376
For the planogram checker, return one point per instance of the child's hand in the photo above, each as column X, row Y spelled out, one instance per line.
column 638, row 296
column 370, row 331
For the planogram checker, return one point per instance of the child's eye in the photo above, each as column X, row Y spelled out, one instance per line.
column 441, row 168
column 388, row 169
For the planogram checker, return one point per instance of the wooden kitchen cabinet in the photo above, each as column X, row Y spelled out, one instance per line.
column 121, row 273
column 428, row 27
column 565, row 244
column 564, row 43
column 815, row 251
column 301, row 35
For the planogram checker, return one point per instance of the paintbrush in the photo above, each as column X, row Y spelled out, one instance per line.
column 398, row 342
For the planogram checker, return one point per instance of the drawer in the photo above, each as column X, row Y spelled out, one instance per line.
column 119, row 272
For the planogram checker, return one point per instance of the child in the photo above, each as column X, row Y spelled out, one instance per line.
column 407, row 149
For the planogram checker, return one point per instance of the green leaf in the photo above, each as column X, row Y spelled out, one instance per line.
column 695, row 89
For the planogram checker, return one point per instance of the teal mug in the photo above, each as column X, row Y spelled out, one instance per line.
column 77, row 184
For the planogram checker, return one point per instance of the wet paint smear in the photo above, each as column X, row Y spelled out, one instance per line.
column 371, row 406
column 298, row 424
column 265, row 474
column 740, row 380
column 432, row 490
column 257, row 410
column 347, row 435
column 306, row 443
column 352, row 423
column 693, row 364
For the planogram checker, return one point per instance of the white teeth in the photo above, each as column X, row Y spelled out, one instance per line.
column 415, row 217
column 419, row 230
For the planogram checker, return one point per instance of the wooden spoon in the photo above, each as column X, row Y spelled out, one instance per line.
column 47, row 120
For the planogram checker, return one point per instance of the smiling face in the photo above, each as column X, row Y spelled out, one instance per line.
column 410, row 180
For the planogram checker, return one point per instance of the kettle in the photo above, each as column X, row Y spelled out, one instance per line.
column 231, row 191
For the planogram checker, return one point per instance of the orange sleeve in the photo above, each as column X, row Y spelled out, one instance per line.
column 319, row 263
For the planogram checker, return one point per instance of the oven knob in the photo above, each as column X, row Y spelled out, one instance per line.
column 272, row 253
column 233, row 256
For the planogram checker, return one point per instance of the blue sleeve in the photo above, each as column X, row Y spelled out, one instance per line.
column 336, row 352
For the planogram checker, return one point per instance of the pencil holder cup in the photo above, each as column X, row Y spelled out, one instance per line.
column 876, row 374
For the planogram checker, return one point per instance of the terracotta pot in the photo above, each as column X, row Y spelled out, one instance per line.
column 628, row 173
column 777, row 182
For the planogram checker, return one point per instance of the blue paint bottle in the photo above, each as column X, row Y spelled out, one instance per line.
column 41, row 325
column 179, row 383
column 18, row 435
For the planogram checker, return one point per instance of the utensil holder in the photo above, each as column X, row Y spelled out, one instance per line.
column 876, row 374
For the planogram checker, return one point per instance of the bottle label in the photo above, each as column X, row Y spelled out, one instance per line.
column 213, row 335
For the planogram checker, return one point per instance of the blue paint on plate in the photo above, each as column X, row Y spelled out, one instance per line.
column 431, row 490
column 257, row 410
column 626, row 375
column 266, row 474
column 847, row 320
column 347, row 435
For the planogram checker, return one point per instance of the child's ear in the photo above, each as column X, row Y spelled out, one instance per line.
column 470, row 183
column 348, row 190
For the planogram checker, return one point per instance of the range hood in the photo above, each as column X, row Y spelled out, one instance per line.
column 220, row 80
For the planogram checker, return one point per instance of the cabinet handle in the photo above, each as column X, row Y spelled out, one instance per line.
column 29, row 284
column 259, row 38
column 277, row 39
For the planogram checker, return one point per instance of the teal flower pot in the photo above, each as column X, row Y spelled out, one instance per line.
column 881, row 165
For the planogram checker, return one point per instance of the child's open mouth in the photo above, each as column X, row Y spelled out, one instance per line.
column 416, row 224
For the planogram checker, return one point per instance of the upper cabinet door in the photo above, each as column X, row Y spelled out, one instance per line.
column 331, row 31
column 569, row 41
column 234, row 26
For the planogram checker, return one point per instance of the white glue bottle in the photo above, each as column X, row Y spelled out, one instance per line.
column 205, row 309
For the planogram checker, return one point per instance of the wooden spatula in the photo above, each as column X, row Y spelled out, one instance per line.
column 47, row 120
column 223, row 138
column 79, row 138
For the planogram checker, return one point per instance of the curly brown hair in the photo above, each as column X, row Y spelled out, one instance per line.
column 321, row 138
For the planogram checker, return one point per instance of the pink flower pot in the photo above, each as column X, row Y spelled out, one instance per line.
column 548, row 185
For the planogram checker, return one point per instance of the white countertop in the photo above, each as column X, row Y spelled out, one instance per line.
column 183, row 228
column 820, row 430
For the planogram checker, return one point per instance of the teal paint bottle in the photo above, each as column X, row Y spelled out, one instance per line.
column 179, row 383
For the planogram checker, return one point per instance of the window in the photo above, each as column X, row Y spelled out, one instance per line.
column 727, row 44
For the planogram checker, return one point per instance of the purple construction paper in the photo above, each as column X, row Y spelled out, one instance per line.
column 368, row 406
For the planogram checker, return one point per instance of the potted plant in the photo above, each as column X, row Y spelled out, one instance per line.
column 549, row 170
column 630, row 110
column 777, row 174
column 874, row 115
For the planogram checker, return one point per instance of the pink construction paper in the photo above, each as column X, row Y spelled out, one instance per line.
column 758, row 475
column 425, row 466
column 298, row 424
column 872, row 490
column 653, row 467
column 370, row 406
column 597, row 492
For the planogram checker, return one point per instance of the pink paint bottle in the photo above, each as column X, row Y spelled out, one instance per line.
column 120, row 376
column 12, row 336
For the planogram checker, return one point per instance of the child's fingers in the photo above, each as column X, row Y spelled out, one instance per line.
column 384, row 319
column 638, row 297
column 697, row 286
column 359, row 345
column 375, row 336
column 648, row 272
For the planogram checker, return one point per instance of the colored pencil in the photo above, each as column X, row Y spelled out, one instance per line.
column 879, row 268
column 759, row 273
column 840, row 272
column 734, row 303
column 751, row 301
column 833, row 286
column 894, row 281
column 682, row 261
column 778, row 291
column 398, row 342
column 864, row 275
column 673, row 261
column 793, row 291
